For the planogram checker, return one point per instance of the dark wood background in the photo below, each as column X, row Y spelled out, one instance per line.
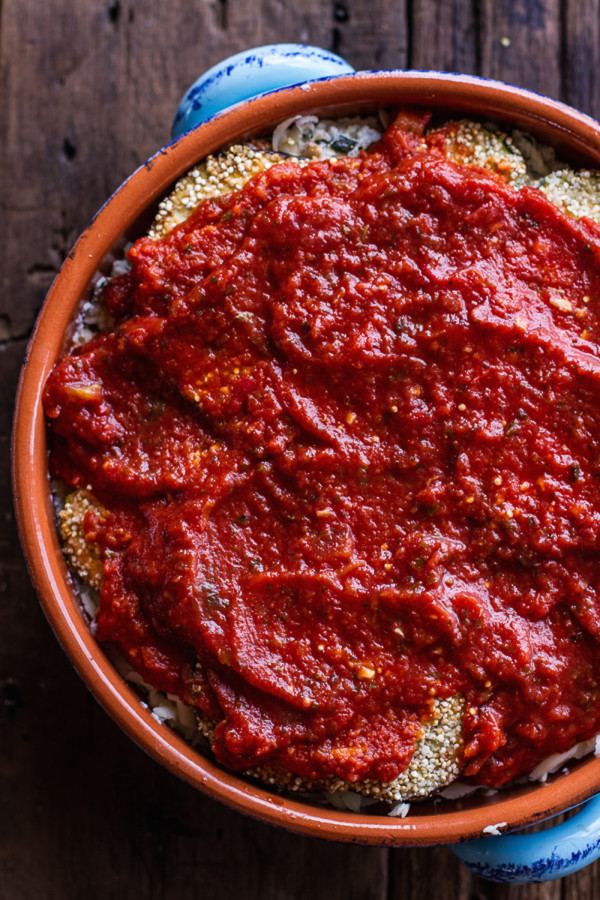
column 88, row 89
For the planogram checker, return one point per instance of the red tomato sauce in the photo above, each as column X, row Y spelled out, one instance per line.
column 347, row 433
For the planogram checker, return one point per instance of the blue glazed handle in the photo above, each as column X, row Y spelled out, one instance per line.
column 542, row 856
column 251, row 73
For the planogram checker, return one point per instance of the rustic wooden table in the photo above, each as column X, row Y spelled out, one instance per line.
column 88, row 92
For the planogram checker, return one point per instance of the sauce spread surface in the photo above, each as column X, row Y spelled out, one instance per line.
column 346, row 434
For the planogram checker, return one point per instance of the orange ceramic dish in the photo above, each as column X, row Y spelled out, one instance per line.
column 574, row 136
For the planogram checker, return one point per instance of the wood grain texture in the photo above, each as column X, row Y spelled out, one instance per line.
column 372, row 35
column 88, row 92
column 445, row 36
column 521, row 43
column 581, row 54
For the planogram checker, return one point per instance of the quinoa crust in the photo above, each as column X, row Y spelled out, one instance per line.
column 436, row 762
column 83, row 557
column 215, row 176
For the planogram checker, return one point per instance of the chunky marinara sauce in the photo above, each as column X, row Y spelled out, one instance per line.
column 346, row 432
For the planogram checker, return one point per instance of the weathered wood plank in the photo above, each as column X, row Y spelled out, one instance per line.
column 550, row 890
column 246, row 24
column 581, row 55
column 422, row 874
column 444, row 37
column 371, row 35
column 521, row 43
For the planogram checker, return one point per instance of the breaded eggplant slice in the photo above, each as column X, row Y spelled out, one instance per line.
column 473, row 144
column 83, row 557
column 213, row 177
column 573, row 192
column 436, row 761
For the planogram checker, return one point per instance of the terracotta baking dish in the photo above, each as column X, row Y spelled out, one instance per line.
column 575, row 137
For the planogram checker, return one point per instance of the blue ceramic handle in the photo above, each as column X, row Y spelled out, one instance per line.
column 251, row 73
column 543, row 856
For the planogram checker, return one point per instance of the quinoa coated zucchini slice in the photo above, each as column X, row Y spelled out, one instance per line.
column 216, row 175
column 573, row 192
